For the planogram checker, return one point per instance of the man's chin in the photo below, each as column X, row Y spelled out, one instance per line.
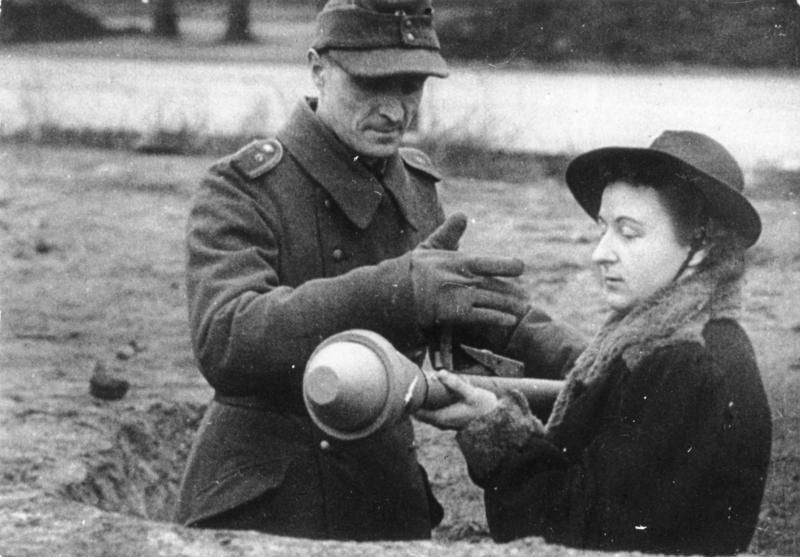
column 379, row 149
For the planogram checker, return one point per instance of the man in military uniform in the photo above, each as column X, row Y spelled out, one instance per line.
column 318, row 230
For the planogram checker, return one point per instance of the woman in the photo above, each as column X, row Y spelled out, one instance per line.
column 660, row 439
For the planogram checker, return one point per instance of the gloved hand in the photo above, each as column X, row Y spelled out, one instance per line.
column 447, row 235
column 453, row 288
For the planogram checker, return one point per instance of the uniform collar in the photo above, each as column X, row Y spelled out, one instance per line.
column 355, row 189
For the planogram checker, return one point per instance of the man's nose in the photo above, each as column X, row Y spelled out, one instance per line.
column 391, row 107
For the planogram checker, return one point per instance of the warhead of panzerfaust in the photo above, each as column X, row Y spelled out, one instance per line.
column 356, row 383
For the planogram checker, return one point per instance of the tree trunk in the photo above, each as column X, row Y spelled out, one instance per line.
column 238, row 22
column 794, row 30
column 165, row 19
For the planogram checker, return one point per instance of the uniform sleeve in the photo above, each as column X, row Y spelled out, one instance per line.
column 548, row 348
column 251, row 333
column 615, row 475
column 545, row 346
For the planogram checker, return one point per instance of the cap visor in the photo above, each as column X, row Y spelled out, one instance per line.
column 390, row 61
column 588, row 175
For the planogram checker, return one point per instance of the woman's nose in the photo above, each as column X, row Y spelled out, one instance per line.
column 603, row 251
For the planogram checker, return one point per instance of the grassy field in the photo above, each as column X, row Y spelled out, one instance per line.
column 92, row 264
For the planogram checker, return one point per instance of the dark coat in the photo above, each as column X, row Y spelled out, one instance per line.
column 290, row 241
column 666, row 450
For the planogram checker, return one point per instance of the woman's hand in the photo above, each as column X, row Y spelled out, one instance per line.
column 470, row 403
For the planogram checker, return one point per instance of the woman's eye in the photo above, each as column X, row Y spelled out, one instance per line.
column 628, row 232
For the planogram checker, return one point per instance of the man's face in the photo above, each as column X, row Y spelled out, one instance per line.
column 369, row 114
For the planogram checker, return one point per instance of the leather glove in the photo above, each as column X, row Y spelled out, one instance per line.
column 453, row 288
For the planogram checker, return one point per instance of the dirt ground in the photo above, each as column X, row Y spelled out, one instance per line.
column 91, row 281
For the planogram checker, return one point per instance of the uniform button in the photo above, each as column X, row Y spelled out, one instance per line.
column 327, row 203
column 408, row 23
column 338, row 254
column 410, row 36
column 268, row 148
column 325, row 445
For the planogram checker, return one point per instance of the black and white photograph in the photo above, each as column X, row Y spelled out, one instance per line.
column 451, row 278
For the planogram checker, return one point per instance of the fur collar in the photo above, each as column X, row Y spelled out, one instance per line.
column 676, row 313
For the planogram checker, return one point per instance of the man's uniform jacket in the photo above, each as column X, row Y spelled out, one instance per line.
column 290, row 241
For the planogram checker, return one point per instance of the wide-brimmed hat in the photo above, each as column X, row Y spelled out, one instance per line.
column 694, row 159
column 376, row 38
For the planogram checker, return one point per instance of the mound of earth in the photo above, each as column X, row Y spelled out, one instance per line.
column 115, row 494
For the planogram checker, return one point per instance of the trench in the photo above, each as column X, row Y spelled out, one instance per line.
column 140, row 473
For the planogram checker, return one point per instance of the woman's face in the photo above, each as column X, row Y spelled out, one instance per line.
column 638, row 252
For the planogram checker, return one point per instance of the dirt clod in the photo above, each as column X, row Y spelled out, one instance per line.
column 126, row 352
column 105, row 386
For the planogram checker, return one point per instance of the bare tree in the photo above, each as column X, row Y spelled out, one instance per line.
column 238, row 22
column 165, row 19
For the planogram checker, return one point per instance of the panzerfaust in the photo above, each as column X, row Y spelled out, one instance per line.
column 355, row 383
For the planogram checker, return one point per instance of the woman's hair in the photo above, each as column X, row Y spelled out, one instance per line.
column 693, row 220
column 696, row 226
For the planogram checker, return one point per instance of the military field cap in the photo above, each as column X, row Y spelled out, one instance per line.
column 694, row 158
column 376, row 38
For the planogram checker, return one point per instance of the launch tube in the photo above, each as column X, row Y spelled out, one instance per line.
column 355, row 383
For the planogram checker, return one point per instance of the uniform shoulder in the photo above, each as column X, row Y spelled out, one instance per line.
column 257, row 158
column 419, row 160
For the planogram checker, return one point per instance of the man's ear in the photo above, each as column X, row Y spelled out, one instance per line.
column 317, row 68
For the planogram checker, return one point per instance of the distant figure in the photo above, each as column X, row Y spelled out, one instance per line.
column 328, row 226
column 660, row 440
